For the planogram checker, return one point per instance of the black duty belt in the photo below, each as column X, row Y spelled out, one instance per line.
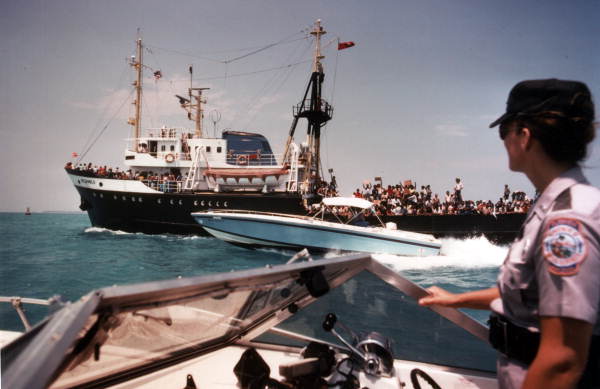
column 521, row 344
column 514, row 341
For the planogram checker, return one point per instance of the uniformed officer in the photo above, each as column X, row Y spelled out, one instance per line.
column 546, row 305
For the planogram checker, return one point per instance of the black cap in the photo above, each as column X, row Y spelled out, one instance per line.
column 569, row 98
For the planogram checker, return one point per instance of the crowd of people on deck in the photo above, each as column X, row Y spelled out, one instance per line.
column 165, row 182
column 405, row 199
column 400, row 199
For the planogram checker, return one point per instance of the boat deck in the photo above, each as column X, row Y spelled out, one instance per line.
column 215, row 370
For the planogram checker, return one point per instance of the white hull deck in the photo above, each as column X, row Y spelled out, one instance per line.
column 215, row 370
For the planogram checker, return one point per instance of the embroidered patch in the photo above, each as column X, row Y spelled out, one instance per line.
column 563, row 246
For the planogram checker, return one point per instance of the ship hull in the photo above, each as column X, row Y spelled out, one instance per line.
column 131, row 210
column 499, row 229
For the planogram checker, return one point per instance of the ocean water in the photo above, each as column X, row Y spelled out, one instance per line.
column 49, row 254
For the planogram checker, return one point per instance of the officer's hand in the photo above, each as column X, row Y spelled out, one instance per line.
column 439, row 296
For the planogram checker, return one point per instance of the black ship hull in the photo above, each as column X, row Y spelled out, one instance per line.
column 171, row 213
column 499, row 229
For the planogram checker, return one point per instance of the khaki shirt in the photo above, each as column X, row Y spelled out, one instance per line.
column 553, row 267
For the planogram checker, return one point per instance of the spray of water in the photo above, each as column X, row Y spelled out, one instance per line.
column 468, row 253
column 99, row 230
column 102, row 231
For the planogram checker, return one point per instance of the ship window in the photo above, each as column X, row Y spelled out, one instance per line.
column 208, row 149
column 172, row 147
column 158, row 201
column 94, row 194
column 101, row 196
column 219, row 148
column 163, row 148
column 139, row 199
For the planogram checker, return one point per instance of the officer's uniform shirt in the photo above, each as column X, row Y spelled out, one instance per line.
column 553, row 268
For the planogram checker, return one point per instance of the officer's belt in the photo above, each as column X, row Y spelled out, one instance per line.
column 521, row 344
column 514, row 341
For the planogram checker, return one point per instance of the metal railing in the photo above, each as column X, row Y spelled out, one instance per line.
column 252, row 159
column 166, row 186
column 237, row 159
column 17, row 304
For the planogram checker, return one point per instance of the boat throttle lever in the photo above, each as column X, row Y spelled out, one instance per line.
column 371, row 363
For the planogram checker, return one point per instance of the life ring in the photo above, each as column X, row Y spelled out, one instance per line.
column 169, row 158
column 242, row 159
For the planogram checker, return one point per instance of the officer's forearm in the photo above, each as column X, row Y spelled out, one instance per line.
column 478, row 299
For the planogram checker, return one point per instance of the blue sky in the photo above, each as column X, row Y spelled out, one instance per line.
column 413, row 98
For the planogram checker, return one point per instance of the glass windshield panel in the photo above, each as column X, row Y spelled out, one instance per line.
column 366, row 303
column 135, row 338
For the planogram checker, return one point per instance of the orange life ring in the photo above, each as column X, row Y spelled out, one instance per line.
column 242, row 159
column 169, row 158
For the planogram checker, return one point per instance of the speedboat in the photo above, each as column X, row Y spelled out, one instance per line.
column 261, row 229
column 346, row 322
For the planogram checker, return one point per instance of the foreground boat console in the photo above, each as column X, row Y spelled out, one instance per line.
column 347, row 322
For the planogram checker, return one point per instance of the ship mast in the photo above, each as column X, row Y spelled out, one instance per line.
column 193, row 105
column 316, row 110
column 137, row 63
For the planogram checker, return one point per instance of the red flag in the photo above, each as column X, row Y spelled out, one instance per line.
column 345, row 45
column 74, row 154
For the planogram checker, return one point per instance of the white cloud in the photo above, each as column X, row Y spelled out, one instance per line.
column 451, row 130
column 159, row 101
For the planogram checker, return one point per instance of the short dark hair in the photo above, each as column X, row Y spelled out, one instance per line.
column 563, row 138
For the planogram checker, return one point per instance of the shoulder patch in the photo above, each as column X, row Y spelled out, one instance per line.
column 564, row 246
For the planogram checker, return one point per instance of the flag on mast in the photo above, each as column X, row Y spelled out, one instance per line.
column 345, row 45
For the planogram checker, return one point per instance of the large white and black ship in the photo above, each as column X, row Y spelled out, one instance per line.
column 172, row 172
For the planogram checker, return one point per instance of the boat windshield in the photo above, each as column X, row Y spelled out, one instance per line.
column 416, row 333
column 138, row 327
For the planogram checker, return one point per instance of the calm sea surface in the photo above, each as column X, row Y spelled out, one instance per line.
column 49, row 254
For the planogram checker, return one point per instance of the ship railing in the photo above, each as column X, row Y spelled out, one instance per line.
column 173, row 132
column 166, row 186
column 236, row 159
column 324, row 110
column 252, row 159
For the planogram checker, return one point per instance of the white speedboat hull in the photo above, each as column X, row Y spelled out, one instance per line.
column 266, row 230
